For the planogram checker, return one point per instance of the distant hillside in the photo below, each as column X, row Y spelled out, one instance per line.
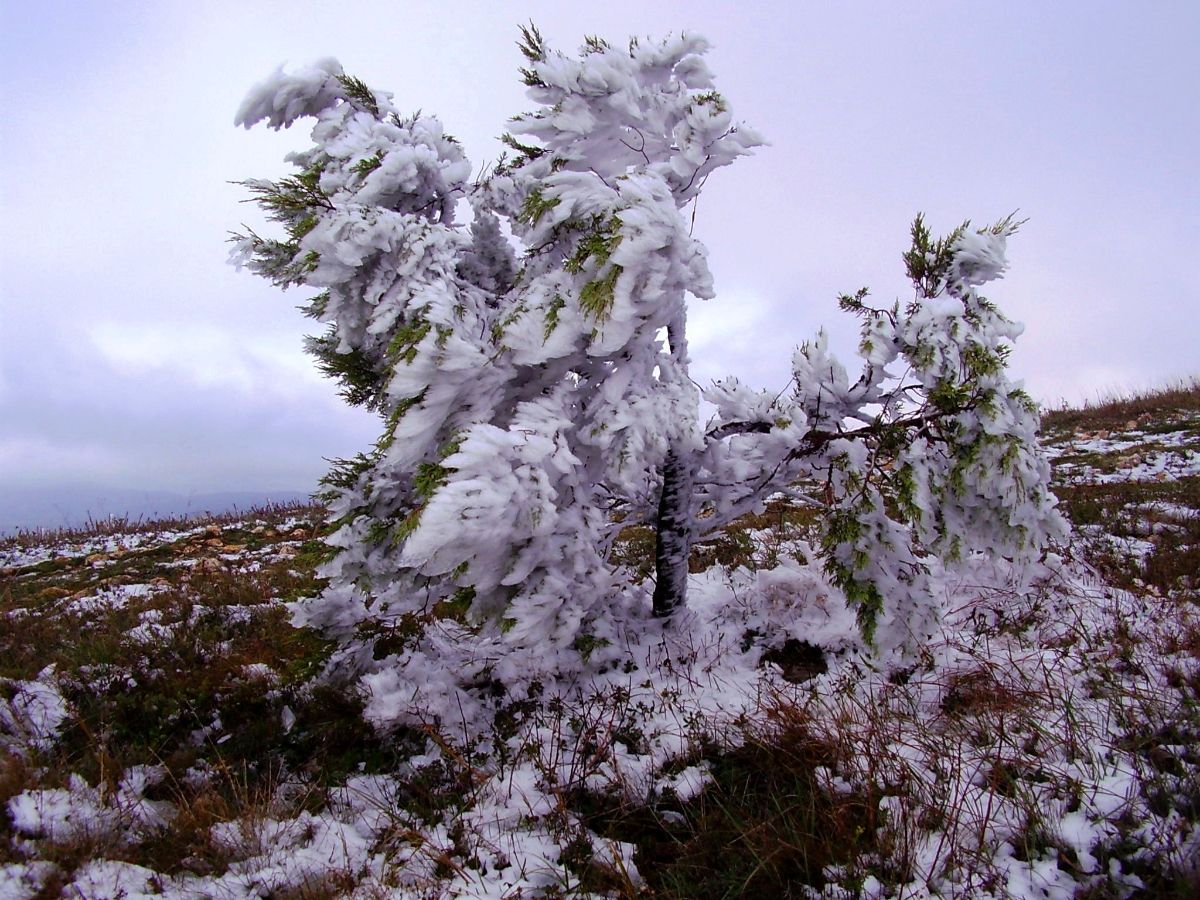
column 75, row 506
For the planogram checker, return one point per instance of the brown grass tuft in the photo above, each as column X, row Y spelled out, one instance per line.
column 1121, row 410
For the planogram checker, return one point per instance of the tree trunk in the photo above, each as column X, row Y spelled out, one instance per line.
column 674, row 540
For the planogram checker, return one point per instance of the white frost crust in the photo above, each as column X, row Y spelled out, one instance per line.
column 82, row 812
column 31, row 714
column 979, row 257
column 284, row 97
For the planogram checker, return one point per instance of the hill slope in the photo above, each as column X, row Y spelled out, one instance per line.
column 162, row 732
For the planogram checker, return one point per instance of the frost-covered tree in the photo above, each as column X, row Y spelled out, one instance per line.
column 931, row 451
column 529, row 361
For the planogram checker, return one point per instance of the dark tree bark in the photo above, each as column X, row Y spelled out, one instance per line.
column 674, row 539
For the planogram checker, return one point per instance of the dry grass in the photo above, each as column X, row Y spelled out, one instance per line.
column 860, row 781
column 767, row 825
column 124, row 526
column 1126, row 411
column 191, row 676
column 1141, row 531
column 1141, row 511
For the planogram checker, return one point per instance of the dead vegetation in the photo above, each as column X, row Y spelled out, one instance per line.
column 1132, row 411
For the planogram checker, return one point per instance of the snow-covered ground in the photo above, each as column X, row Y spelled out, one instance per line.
column 1033, row 735
column 1044, row 742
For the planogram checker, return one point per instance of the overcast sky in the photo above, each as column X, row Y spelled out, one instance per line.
column 132, row 355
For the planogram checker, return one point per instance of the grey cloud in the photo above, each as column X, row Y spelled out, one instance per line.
column 71, row 416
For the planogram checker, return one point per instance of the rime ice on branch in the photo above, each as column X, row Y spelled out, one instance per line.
column 937, row 456
column 536, row 401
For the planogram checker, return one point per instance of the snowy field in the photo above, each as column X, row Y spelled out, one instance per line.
column 162, row 733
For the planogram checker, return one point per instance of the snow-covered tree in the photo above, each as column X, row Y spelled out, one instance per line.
column 939, row 456
column 531, row 368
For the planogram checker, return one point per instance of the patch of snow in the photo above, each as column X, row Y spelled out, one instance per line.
column 64, row 815
column 1156, row 466
column 31, row 713
column 687, row 783
column 82, row 812
column 112, row 597
column 23, row 881
column 20, row 557
column 260, row 672
column 106, row 878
